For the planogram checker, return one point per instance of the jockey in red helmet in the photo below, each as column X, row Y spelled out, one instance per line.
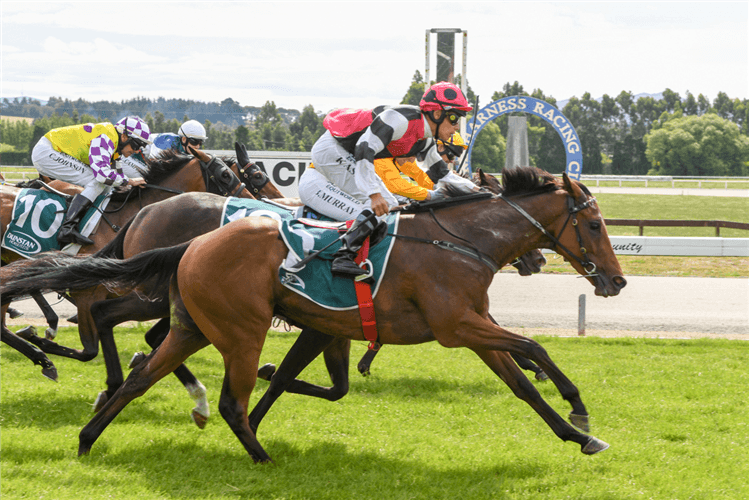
column 343, row 183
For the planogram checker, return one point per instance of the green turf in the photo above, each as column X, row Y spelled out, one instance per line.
column 429, row 423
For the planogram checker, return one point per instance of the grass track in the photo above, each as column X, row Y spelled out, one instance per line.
column 430, row 423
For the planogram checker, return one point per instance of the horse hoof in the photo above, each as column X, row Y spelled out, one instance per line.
column 266, row 371
column 137, row 359
column 363, row 369
column 50, row 372
column 101, row 400
column 199, row 419
column 594, row 445
column 14, row 313
column 580, row 421
column 27, row 333
column 50, row 333
column 542, row 376
column 73, row 319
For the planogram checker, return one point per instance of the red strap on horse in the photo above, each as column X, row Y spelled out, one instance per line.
column 364, row 298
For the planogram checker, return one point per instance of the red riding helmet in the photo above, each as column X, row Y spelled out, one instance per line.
column 444, row 95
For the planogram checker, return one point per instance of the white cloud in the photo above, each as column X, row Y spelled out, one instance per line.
column 364, row 53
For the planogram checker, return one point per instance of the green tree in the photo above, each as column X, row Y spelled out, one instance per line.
column 305, row 130
column 415, row 90
column 698, row 145
column 489, row 150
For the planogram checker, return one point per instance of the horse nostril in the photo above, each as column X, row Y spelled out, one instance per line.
column 620, row 282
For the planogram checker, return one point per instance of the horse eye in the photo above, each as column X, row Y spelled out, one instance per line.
column 595, row 225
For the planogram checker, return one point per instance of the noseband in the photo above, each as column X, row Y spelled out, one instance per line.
column 247, row 174
column 572, row 209
column 216, row 173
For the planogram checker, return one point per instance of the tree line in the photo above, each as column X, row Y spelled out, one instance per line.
column 619, row 135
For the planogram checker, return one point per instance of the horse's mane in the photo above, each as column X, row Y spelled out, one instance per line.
column 165, row 164
column 527, row 180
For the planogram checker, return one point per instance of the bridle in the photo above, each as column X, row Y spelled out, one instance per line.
column 572, row 209
column 217, row 173
column 217, row 176
column 247, row 174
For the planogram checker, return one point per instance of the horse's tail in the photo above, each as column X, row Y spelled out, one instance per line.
column 57, row 271
column 115, row 248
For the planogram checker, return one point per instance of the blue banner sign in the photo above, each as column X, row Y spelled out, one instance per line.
column 537, row 107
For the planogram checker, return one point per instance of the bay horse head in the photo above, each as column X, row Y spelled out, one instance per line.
column 579, row 234
column 253, row 177
column 218, row 175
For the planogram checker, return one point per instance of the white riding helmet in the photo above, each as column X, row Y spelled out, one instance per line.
column 193, row 129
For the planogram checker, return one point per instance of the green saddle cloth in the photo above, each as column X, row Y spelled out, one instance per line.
column 314, row 281
column 37, row 218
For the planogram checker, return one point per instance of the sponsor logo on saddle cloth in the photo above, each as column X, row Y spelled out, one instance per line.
column 37, row 218
column 305, row 236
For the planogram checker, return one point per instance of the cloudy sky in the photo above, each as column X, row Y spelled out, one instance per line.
column 361, row 54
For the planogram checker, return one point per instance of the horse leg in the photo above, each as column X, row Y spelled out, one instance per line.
column 30, row 351
column 501, row 364
column 525, row 363
column 154, row 337
column 178, row 346
column 307, row 347
column 529, row 365
column 86, row 332
column 366, row 361
column 49, row 315
column 476, row 332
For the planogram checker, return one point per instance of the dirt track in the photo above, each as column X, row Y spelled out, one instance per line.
column 547, row 304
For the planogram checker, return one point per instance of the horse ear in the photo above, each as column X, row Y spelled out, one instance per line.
column 243, row 159
column 482, row 176
column 573, row 188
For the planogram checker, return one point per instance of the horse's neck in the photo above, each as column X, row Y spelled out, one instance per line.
column 494, row 227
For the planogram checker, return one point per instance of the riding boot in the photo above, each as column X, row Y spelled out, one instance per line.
column 69, row 229
column 343, row 260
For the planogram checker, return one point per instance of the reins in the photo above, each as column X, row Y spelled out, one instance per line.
column 469, row 251
column 475, row 253
column 572, row 209
column 215, row 172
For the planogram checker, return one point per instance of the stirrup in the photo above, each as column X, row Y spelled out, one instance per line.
column 74, row 237
column 345, row 267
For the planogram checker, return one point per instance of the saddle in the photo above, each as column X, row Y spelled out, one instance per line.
column 37, row 217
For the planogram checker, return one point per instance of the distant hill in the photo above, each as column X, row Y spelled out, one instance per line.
column 228, row 111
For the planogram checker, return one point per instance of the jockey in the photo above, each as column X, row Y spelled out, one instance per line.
column 343, row 183
column 85, row 155
column 452, row 150
column 191, row 132
column 395, row 173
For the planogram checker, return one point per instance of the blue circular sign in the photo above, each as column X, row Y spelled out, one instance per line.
column 537, row 107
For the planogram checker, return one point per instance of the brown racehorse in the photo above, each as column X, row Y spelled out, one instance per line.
column 167, row 176
column 160, row 225
column 440, row 296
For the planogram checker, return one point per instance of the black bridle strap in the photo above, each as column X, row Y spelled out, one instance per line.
column 572, row 209
column 454, row 247
column 248, row 171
